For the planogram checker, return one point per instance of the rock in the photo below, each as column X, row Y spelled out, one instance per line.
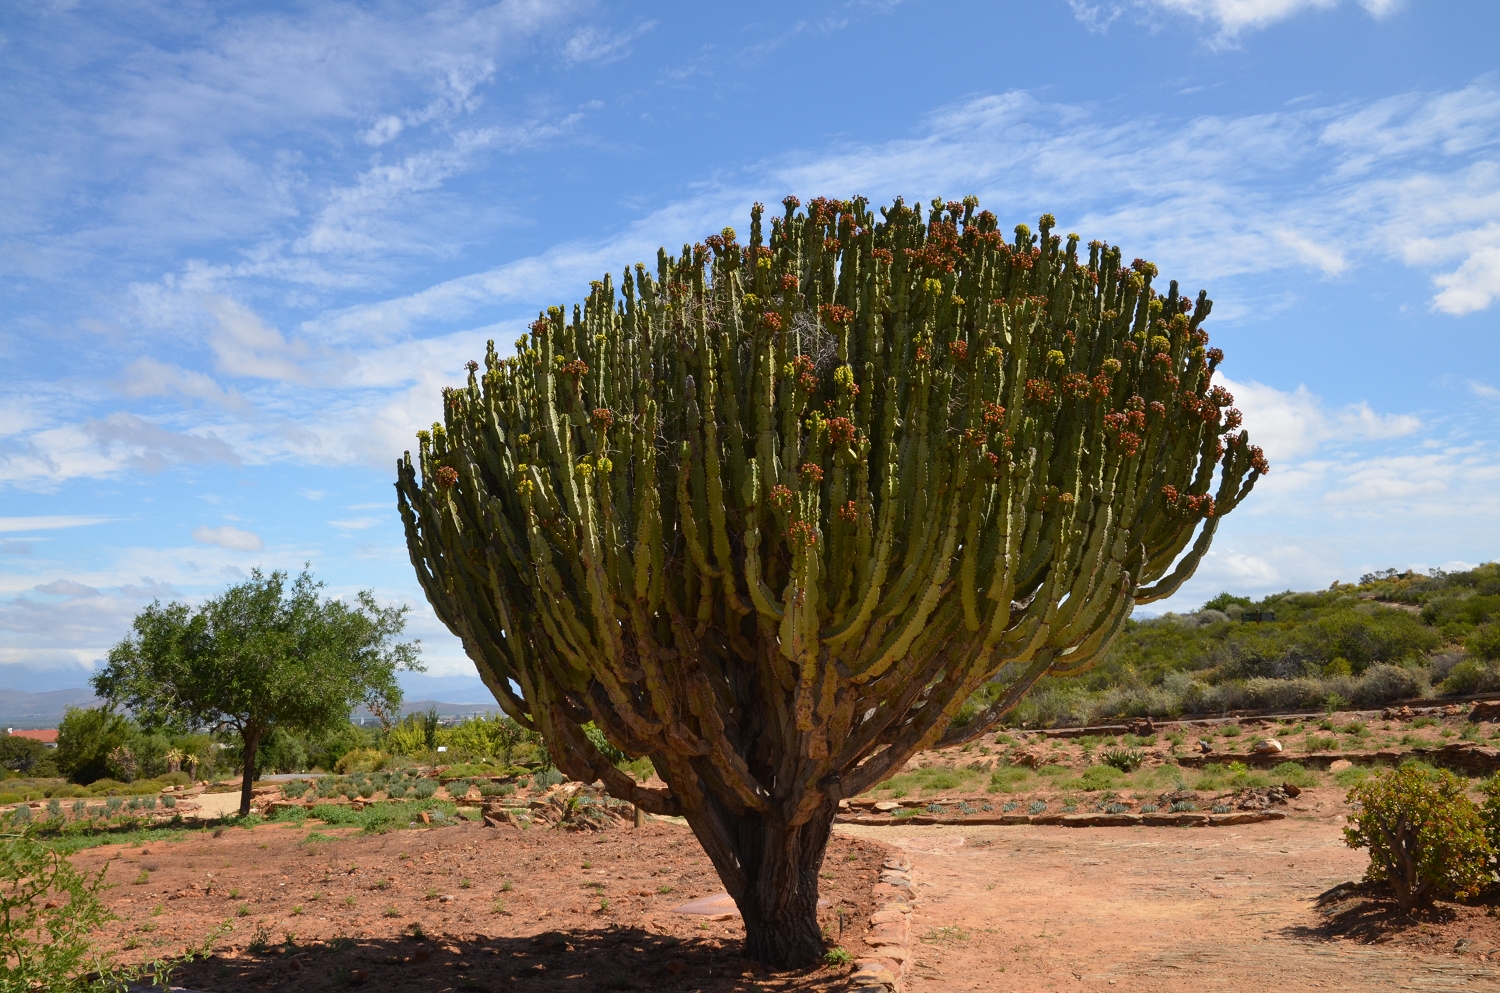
column 1339, row 765
column 1270, row 746
column 1485, row 710
column 1290, row 790
column 886, row 806
column 1142, row 726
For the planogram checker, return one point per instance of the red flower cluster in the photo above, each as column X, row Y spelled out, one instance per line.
column 882, row 255
column 471, row 365
column 781, row 497
column 1039, row 391
column 840, row 430
column 849, row 512
column 1216, row 355
column 539, row 326
column 1162, row 359
column 762, row 252
column 1221, row 397
column 806, row 372
column 603, row 418
column 1144, row 268
column 802, row 533
column 1158, row 408
column 1129, row 442
column 577, row 367
column 771, row 319
column 959, row 350
column 446, row 476
column 831, row 246
column 1101, row 384
column 1233, row 419
column 791, row 202
column 1130, row 347
column 836, row 314
column 923, row 354
column 994, row 414
column 1258, row 460
column 811, row 472
column 788, row 282
column 1076, row 385
column 940, row 252
column 975, row 439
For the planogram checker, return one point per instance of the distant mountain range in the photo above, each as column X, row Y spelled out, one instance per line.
column 20, row 709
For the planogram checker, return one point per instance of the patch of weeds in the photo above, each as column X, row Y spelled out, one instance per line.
column 349, row 901
column 243, row 910
column 1231, row 731
column 464, row 884
column 837, row 958
column 296, row 909
column 1037, row 806
column 1297, row 774
column 260, row 940
column 1351, row 776
column 498, row 907
column 507, row 886
column 1008, row 779
column 144, row 877
column 234, row 894
column 392, row 912
column 663, row 889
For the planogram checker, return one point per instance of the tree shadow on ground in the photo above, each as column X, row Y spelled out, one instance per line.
column 1365, row 912
column 608, row 958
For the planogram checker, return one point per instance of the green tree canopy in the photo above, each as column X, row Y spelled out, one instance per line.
column 264, row 654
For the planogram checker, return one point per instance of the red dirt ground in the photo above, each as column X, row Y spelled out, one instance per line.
column 392, row 911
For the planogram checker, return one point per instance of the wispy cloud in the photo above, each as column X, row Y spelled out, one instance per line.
column 591, row 44
column 1229, row 18
column 49, row 523
column 229, row 537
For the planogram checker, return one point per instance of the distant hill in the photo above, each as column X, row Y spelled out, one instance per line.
column 444, row 709
column 41, row 710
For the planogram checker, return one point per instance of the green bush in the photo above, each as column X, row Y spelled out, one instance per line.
column 362, row 760
column 424, row 789
column 1484, row 641
column 1425, row 836
column 1470, row 676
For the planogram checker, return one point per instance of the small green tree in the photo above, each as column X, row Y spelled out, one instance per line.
column 1424, row 834
column 28, row 757
column 262, row 655
column 85, row 739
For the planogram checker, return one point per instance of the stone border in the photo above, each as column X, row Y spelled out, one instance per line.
column 1074, row 820
column 890, row 931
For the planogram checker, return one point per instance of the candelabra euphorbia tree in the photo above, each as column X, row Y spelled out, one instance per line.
column 772, row 514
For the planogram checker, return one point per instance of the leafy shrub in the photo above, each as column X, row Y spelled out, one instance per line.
column 424, row 789
column 1484, row 641
column 1037, row 806
column 1124, row 759
column 1425, row 836
column 1470, row 676
column 47, row 911
column 1182, row 807
column 396, row 791
column 1297, row 774
column 295, row 788
column 546, row 778
column 362, row 760
column 488, row 789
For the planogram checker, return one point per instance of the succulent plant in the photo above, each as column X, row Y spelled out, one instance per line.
column 773, row 513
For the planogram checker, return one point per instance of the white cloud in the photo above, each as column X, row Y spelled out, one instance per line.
column 147, row 377
column 67, row 588
column 589, row 44
column 229, row 537
column 1484, row 390
column 1297, row 424
column 49, row 523
column 359, row 523
column 1472, row 286
column 149, row 447
column 1231, row 17
column 245, row 345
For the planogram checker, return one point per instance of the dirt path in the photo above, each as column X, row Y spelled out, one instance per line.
column 1150, row 909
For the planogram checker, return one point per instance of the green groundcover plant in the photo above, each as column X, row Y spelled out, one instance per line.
column 1425, row 836
column 47, row 909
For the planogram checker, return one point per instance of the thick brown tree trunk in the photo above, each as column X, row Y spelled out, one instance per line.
column 247, row 784
column 771, row 870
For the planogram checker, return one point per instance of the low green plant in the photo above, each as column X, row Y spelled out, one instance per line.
column 1425, row 836
column 1124, row 759
column 1319, row 743
column 837, row 958
column 1296, row 774
column 47, row 911
column 1008, row 778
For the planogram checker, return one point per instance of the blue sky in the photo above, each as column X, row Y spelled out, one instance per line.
column 243, row 246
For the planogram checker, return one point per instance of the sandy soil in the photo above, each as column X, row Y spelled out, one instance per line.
column 1170, row 909
column 463, row 907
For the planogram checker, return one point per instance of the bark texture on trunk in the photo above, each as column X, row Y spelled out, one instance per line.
column 247, row 784
column 770, row 868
